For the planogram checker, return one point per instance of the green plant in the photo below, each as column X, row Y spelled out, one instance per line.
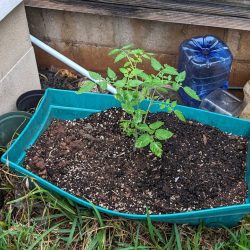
column 135, row 86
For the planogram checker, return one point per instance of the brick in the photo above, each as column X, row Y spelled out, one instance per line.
column 71, row 27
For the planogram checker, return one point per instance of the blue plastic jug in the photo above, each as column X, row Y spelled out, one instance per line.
column 207, row 61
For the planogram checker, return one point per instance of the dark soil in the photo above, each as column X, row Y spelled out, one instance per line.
column 201, row 167
column 62, row 79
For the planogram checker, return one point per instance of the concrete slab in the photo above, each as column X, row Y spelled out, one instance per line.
column 14, row 39
column 22, row 77
column 6, row 6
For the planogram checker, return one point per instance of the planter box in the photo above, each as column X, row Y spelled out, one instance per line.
column 64, row 105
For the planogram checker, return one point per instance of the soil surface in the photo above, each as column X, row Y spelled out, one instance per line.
column 63, row 79
column 201, row 167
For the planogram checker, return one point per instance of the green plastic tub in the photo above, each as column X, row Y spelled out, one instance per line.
column 62, row 104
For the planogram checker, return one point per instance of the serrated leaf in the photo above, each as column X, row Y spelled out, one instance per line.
column 144, row 76
column 86, row 87
column 169, row 70
column 136, row 52
column 162, row 106
column 191, row 93
column 173, row 104
column 102, row 84
column 180, row 77
column 120, row 83
column 175, row 86
column 123, row 70
column 111, row 74
column 134, row 83
column 119, row 57
column 156, row 125
column 127, row 46
column 156, row 148
column 114, row 51
column 143, row 127
column 128, row 108
column 126, row 64
column 179, row 114
column 95, row 76
column 163, row 134
column 137, row 117
column 136, row 72
column 145, row 56
column 143, row 141
column 155, row 64
column 162, row 89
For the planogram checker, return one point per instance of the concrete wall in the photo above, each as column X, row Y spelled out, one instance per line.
column 18, row 70
column 87, row 39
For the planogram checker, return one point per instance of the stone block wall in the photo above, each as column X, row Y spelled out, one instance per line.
column 87, row 39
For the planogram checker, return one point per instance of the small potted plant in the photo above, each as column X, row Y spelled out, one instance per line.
column 132, row 151
column 134, row 87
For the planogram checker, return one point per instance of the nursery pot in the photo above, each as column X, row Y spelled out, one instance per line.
column 11, row 125
column 28, row 101
column 67, row 105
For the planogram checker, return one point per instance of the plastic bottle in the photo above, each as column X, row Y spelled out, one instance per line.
column 207, row 62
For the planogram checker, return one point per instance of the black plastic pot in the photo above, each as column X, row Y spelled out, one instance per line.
column 11, row 125
column 28, row 101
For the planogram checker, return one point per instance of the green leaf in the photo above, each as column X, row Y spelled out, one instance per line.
column 145, row 56
column 144, row 76
column 111, row 74
column 143, row 127
column 95, row 76
column 156, row 125
column 136, row 52
column 173, row 104
column 179, row 114
column 180, row 77
column 127, row 46
column 128, row 96
column 191, row 93
column 163, row 134
column 119, row 57
column 169, row 70
column 134, row 83
column 120, row 83
column 143, row 140
column 175, row 86
column 126, row 64
column 86, row 87
column 102, row 84
column 137, row 116
column 155, row 64
column 114, row 51
column 162, row 106
column 136, row 72
column 156, row 148
column 128, row 108
column 123, row 70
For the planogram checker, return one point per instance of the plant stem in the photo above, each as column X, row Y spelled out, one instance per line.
column 150, row 104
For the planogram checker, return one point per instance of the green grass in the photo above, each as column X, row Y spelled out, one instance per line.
column 37, row 219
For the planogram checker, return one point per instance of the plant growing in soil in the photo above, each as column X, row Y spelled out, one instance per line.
column 135, row 86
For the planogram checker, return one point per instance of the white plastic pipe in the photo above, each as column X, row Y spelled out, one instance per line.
column 67, row 61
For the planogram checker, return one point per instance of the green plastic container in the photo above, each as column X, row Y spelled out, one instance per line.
column 62, row 104
column 11, row 125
